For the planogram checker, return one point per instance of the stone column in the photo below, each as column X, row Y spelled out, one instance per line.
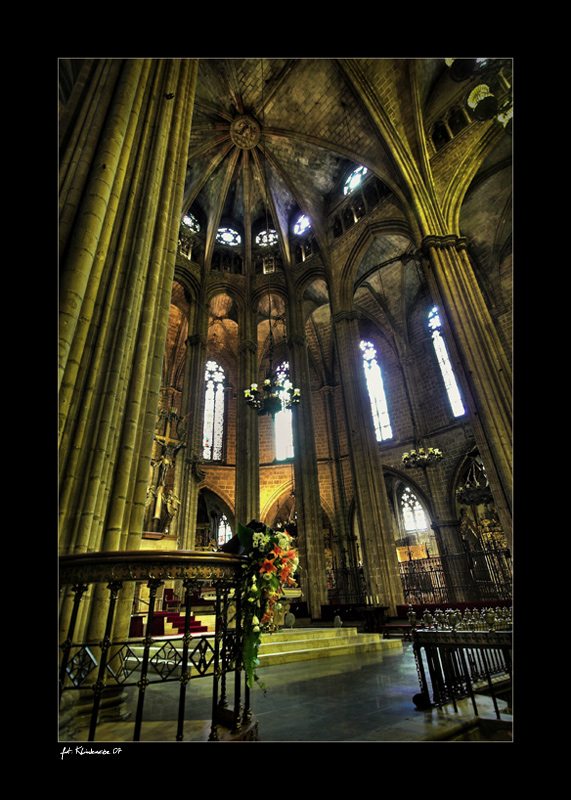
column 455, row 560
column 124, row 147
column 312, row 577
column 192, row 424
column 374, row 519
column 247, row 433
column 482, row 365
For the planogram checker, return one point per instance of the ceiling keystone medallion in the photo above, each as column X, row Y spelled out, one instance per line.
column 245, row 132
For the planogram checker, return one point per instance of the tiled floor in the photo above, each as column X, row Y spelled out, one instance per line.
column 364, row 698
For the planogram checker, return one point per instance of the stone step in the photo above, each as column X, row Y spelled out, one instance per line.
column 302, row 644
column 284, row 647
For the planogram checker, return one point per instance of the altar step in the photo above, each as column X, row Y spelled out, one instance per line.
column 304, row 644
column 281, row 647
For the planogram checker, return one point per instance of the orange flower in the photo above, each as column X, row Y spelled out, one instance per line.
column 267, row 566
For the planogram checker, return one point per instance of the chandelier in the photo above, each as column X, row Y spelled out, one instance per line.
column 476, row 490
column 422, row 457
column 492, row 97
column 276, row 392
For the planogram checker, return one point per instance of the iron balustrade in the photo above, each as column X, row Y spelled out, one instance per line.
column 459, row 660
column 111, row 662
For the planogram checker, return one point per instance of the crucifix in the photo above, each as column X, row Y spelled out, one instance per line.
column 170, row 446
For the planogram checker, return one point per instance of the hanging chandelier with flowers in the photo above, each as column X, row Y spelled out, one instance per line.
column 275, row 394
column 422, row 457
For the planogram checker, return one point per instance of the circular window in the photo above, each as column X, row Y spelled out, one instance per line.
column 228, row 236
column 267, row 238
column 190, row 221
column 354, row 179
column 302, row 225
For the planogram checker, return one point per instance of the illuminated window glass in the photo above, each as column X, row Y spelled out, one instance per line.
column 282, row 429
column 376, row 390
column 191, row 222
column 448, row 376
column 413, row 514
column 224, row 530
column 212, row 436
column 228, row 236
column 303, row 224
column 354, row 179
column 267, row 238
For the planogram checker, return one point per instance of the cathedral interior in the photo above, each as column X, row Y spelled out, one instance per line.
column 337, row 229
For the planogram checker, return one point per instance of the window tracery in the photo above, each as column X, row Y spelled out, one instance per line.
column 376, row 389
column 213, row 430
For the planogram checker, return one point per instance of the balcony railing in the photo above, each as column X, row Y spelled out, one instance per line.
column 100, row 666
column 460, row 657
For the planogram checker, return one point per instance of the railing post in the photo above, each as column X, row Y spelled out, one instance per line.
column 114, row 587
column 185, row 674
column 220, row 624
column 236, row 651
column 143, row 681
column 78, row 589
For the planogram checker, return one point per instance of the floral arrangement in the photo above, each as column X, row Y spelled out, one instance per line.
column 271, row 566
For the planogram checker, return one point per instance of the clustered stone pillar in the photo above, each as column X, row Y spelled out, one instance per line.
column 193, row 416
column 247, row 433
column 486, row 371
column 124, row 139
column 312, row 576
column 376, row 534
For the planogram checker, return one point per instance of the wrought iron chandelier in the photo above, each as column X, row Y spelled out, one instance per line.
column 476, row 490
column 492, row 97
column 422, row 457
column 276, row 392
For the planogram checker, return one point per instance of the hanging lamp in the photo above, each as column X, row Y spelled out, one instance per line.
column 276, row 391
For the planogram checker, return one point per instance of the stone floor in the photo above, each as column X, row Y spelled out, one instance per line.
column 365, row 698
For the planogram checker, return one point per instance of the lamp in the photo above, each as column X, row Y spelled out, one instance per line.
column 476, row 489
column 276, row 392
column 422, row 457
column 490, row 98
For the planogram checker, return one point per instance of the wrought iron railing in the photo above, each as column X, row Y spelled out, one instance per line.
column 117, row 661
column 483, row 574
column 461, row 656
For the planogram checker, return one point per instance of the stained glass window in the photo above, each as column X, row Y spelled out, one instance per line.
column 283, row 430
column 354, row 179
column 267, row 238
column 224, row 530
column 228, row 236
column 303, row 224
column 213, row 432
column 376, row 390
column 413, row 514
column 441, row 351
column 191, row 222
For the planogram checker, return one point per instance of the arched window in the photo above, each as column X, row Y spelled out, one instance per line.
column 224, row 530
column 213, row 431
column 413, row 516
column 441, row 351
column 282, row 427
column 376, row 390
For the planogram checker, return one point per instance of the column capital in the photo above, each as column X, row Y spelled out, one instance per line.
column 346, row 316
column 297, row 339
column 450, row 241
column 196, row 339
column 247, row 346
